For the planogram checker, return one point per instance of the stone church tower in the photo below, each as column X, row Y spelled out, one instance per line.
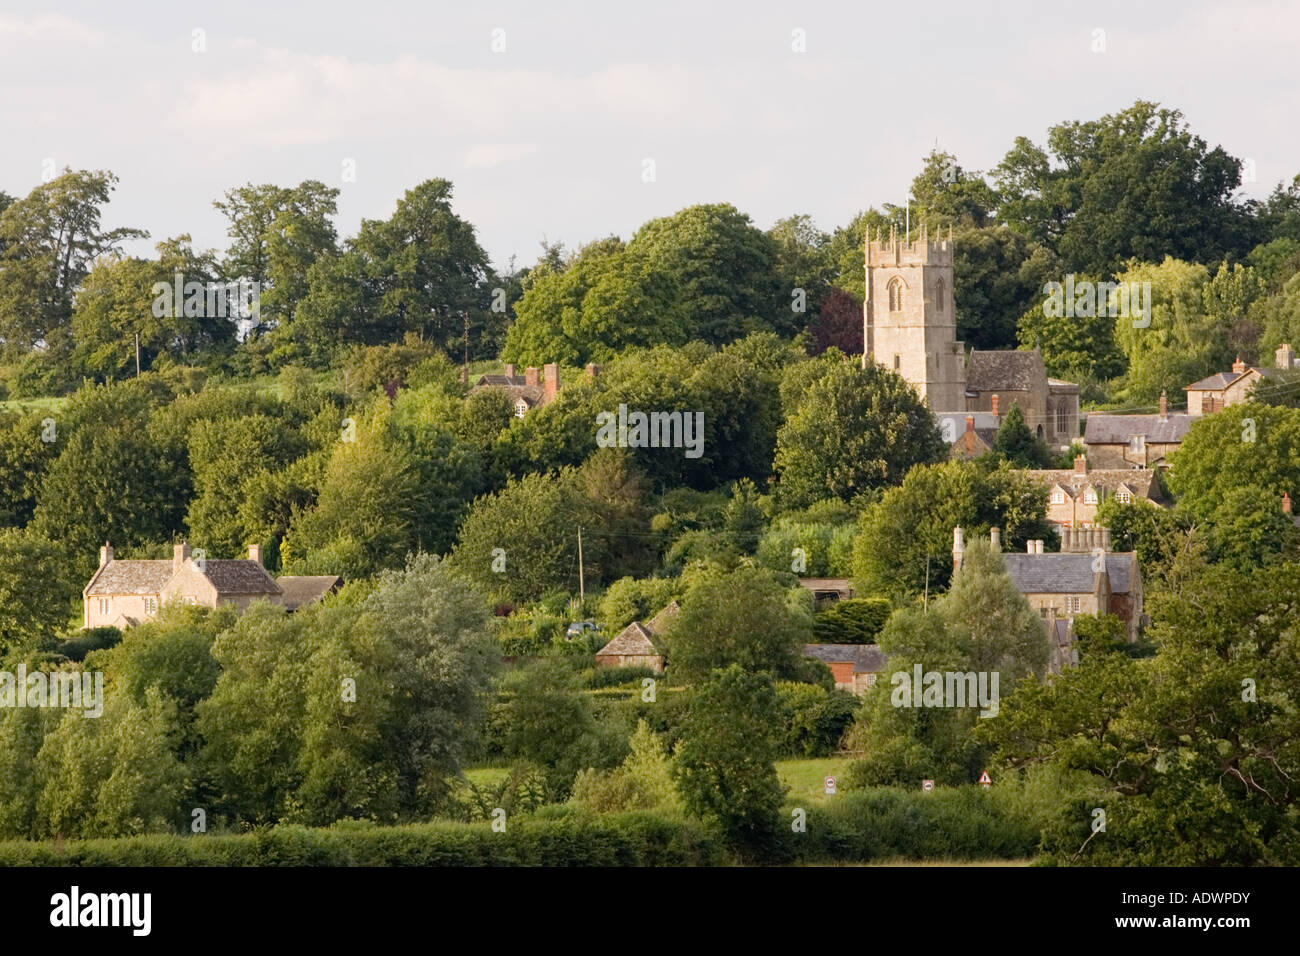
column 910, row 324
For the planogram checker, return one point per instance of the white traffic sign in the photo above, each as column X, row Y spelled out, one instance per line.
column 830, row 784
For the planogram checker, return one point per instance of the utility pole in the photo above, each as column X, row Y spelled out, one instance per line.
column 582, row 590
column 925, row 602
column 467, row 346
column 137, row 355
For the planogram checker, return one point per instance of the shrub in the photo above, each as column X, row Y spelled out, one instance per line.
column 815, row 718
column 855, row 621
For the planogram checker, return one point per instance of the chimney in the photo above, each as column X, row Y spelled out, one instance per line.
column 530, row 375
column 1286, row 510
column 970, row 424
column 1080, row 465
column 995, row 406
column 1029, row 546
column 255, row 553
column 1105, row 539
column 958, row 547
column 1067, row 534
column 995, row 539
column 592, row 370
column 180, row 554
column 1284, row 356
column 1239, row 366
column 510, row 370
column 1164, row 406
column 106, row 552
column 551, row 384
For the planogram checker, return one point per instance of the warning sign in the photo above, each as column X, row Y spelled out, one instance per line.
column 927, row 785
column 985, row 779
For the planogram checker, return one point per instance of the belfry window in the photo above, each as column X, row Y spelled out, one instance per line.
column 938, row 296
column 895, row 295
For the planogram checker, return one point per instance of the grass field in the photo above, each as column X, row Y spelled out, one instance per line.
column 807, row 778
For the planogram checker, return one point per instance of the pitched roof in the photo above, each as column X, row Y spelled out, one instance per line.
column 658, row 624
column 1106, row 429
column 499, row 381
column 1068, row 573
column 633, row 640
column 1011, row 370
column 238, row 576
column 865, row 658
column 1142, row 481
column 131, row 577
column 297, row 590
column 1221, row 380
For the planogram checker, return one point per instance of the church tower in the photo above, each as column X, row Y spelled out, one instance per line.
column 910, row 325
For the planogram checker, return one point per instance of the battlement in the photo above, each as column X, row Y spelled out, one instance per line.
column 919, row 251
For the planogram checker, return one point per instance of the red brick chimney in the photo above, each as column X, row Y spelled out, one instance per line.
column 995, row 406
column 1080, row 465
column 1164, row 406
column 970, row 424
column 180, row 554
column 1239, row 366
column 530, row 375
column 592, row 369
column 1286, row 507
column 551, row 384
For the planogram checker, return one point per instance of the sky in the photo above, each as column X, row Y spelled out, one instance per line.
column 549, row 118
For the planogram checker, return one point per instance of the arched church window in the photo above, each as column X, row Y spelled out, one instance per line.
column 938, row 296
column 895, row 294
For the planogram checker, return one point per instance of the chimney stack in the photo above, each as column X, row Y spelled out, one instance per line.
column 1239, row 366
column 995, row 539
column 1029, row 547
column 970, row 424
column 1067, row 535
column 995, row 406
column 180, row 554
column 1284, row 356
column 592, row 370
column 530, row 375
column 510, row 370
column 1164, row 406
column 1080, row 465
column 255, row 553
column 1105, row 539
column 551, row 383
column 106, row 553
column 958, row 547
column 1286, row 510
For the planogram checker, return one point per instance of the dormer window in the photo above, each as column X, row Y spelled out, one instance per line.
column 895, row 294
column 1123, row 496
column 1090, row 496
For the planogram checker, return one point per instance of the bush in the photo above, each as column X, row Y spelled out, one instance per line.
column 566, row 836
column 617, row 676
column 855, row 621
column 815, row 718
column 94, row 639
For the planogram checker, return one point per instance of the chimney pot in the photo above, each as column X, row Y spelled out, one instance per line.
column 995, row 406
column 1239, row 366
column 180, row 554
column 1080, row 465
column 255, row 553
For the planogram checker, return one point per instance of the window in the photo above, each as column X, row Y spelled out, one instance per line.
column 104, row 605
column 1072, row 605
column 1058, row 496
column 895, row 294
column 520, row 408
column 1063, row 418
column 1123, row 496
column 1136, row 444
column 938, row 295
column 897, row 361
column 1090, row 496
column 151, row 605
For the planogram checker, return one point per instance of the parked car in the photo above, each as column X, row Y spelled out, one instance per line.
column 580, row 629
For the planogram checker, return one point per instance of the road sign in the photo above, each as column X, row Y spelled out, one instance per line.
column 927, row 785
column 985, row 779
column 830, row 784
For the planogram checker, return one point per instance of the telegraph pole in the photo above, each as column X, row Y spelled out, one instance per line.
column 137, row 355
column 582, row 590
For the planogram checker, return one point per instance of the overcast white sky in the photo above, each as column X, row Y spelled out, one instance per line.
column 548, row 137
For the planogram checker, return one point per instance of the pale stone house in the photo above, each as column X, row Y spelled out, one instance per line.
column 1135, row 441
column 124, row 592
column 1073, row 497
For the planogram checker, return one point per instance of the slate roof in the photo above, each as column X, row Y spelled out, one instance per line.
column 1141, row 480
column 1011, row 370
column 1106, row 429
column 1067, row 573
column 131, row 577
column 634, row 639
column 500, row 381
column 239, row 576
column 515, row 385
column 866, row 658
column 658, row 624
column 297, row 590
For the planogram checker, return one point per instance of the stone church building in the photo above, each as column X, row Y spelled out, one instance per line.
column 910, row 326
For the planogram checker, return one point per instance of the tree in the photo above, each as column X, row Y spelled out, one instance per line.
column 550, row 722
column 48, row 241
column 849, row 430
column 724, row 767
column 743, row 617
column 802, row 261
column 838, row 324
column 37, row 592
column 1016, row 444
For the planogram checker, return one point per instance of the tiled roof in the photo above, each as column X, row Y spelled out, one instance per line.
column 131, row 577
column 1067, row 573
column 1141, row 481
column 634, row 639
column 297, row 590
column 658, row 624
column 866, row 658
column 500, row 381
column 1106, row 429
column 1012, row 370
column 239, row 576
